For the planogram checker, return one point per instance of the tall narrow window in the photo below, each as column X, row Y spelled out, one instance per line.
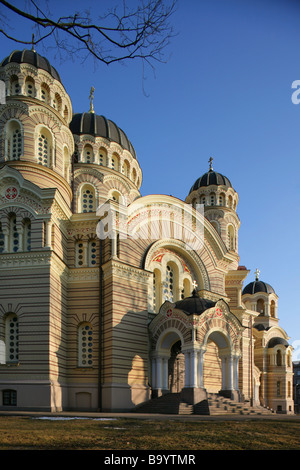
column 15, row 88
column 43, row 149
column 88, row 154
column 102, row 159
column 13, row 234
column 231, row 238
column 88, row 202
column 92, row 247
column 13, row 140
column 12, row 338
column 80, row 253
column 169, row 284
column 85, row 345
column 45, row 94
column 278, row 358
column 1, row 240
column 29, row 87
column 27, row 235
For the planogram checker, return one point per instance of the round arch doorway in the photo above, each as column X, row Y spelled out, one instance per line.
column 176, row 368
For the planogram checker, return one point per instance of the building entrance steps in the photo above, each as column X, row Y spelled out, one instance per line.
column 215, row 404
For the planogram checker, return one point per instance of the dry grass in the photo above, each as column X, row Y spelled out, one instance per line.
column 25, row 433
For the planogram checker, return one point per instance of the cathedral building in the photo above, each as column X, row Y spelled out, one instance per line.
column 110, row 300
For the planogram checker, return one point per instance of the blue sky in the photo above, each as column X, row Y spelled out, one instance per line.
column 225, row 92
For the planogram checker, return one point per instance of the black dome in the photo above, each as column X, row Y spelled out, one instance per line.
column 33, row 58
column 211, row 178
column 194, row 304
column 99, row 126
column 258, row 286
column 274, row 341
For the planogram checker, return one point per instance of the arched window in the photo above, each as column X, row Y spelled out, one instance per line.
column 29, row 87
column 13, row 234
column 80, row 253
column 125, row 170
column 14, row 140
column 279, row 358
column 57, row 102
column 169, row 287
column 92, row 249
column 85, row 345
column 102, row 158
column 12, row 338
column 272, row 309
column 44, row 147
column 1, row 239
column 260, row 306
column 9, row 397
column 15, row 88
column 88, row 199
column 27, row 235
column 202, row 199
column 45, row 93
column 231, row 237
column 88, row 154
column 115, row 162
column 221, row 200
column 212, row 199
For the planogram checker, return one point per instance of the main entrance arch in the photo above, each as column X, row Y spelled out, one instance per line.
column 187, row 348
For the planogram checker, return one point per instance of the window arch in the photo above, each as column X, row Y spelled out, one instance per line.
column 88, row 155
column 15, row 88
column 169, row 283
column 85, row 345
column 126, row 167
column 272, row 309
column 88, row 198
column 260, row 306
column 279, row 358
column 221, row 200
column 14, row 140
column 202, row 199
column 14, row 242
column 45, row 93
column 12, row 338
column 44, row 147
column 212, row 199
column 231, row 237
column 57, row 102
column 115, row 162
column 102, row 158
column 29, row 87
column 27, row 235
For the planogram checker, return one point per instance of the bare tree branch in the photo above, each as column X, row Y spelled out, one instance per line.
column 119, row 34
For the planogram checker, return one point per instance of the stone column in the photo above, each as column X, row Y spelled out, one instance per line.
column 193, row 369
column 165, row 384
column 200, row 369
column 187, row 368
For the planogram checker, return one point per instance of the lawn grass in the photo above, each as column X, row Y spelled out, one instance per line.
column 26, row 433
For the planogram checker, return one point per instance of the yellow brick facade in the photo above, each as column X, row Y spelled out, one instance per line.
column 107, row 298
